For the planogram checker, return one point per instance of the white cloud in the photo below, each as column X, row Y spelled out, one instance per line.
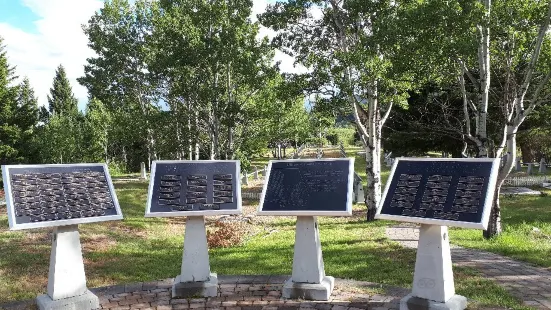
column 58, row 39
column 287, row 62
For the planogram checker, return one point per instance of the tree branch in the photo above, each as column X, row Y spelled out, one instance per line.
column 535, row 55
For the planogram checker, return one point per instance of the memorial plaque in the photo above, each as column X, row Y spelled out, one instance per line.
column 440, row 191
column 194, row 188
column 308, row 187
column 58, row 195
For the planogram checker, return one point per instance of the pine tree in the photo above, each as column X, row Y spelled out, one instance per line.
column 26, row 118
column 61, row 99
column 9, row 133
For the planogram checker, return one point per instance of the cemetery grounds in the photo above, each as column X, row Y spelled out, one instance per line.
column 146, row 249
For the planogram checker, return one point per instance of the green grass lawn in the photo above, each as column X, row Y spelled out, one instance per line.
column 526, row 233
column 140, row 249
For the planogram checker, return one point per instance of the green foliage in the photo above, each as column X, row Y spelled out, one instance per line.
column 61, row 99
column 18, row 116
column 61, row 139
column 97, row 124
column 338, row 135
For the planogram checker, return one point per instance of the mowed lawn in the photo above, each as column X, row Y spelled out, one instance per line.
column 139, row 249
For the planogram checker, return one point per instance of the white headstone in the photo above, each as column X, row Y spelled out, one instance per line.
column 360, row 195
column 255, row 175
column 543, row 167
column 245, row 179
column 143, row 174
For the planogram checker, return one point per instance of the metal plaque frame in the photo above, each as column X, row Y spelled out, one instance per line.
column 350, row 191
column 148, row 213
column 10, row 204
column 483, row 224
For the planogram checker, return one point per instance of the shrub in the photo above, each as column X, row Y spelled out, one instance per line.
column 226, row 234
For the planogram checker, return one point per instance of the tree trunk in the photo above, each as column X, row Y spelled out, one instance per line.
column 197, row 155
column 373, row 154
column 484, row 67
column 230, row 143
column 189, row 140
column 373, row 197
column 494, row 225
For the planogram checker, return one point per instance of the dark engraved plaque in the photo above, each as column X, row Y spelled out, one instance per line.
column 194, row 188
column 430, row 191
column 49, row 195
column 309, row 187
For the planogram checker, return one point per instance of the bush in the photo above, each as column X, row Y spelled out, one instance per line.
column 226, row 234
column 117, row 168
column 341, row 135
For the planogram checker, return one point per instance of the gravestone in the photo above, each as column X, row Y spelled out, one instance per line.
column 543, row 166
column 61, row 196
column 518, row 166
column 308, row 188
column 360, row 194
column 530, row 168
column 245, row 178
column 194, row 189
column 255, row 174
column 437, row 193
column 143, row 173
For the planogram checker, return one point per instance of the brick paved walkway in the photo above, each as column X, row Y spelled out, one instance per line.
column 241, row 292
column 529, row 283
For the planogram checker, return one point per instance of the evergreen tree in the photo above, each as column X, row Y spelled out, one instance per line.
column 9, row 133
column 96, row 129
column 26, row 119
column 61, row 99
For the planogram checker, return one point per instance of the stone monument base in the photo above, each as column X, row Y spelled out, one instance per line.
column 410, row 302
column 309, row 291
column 86, row 301
column 195, row 289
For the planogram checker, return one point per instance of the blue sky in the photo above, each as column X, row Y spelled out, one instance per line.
column 42, row 34
column 18, row 15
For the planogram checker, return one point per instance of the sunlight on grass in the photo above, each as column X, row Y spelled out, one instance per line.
column 526, row 233
column 146, row 249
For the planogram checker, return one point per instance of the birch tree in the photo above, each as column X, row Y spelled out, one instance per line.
column 119, row 75
column 508, row 75
column 349, row 50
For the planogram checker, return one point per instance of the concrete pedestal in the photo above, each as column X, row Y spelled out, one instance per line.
column 195, row 279
column 308, row 280
column 66, row 278
column 433, row 286
column 456, row 302
column 86, row 301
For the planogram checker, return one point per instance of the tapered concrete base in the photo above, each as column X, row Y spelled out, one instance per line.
column 207, row 288
column 86, row 301
column 309, row 291
column 410, row 302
